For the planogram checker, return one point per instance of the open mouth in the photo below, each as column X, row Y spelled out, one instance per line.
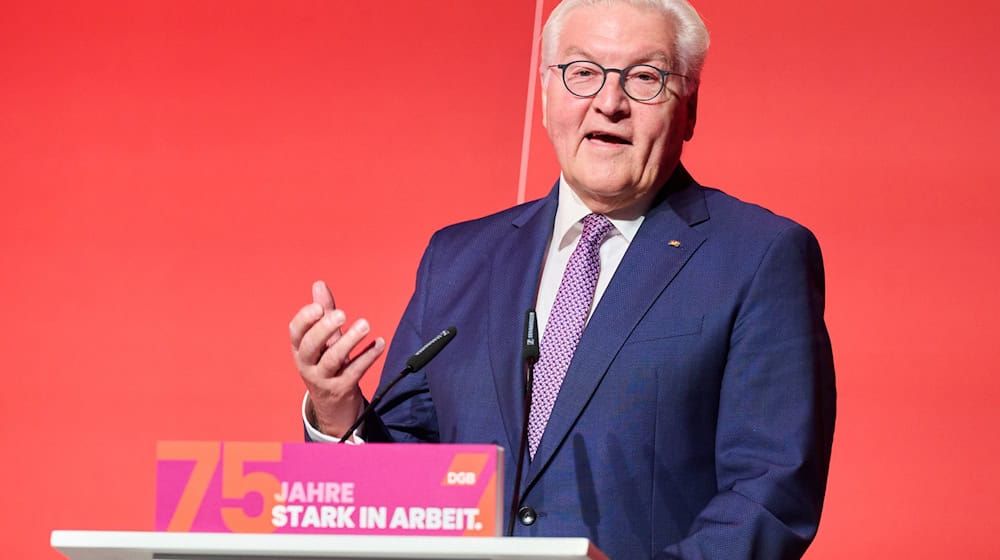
column 607, row 138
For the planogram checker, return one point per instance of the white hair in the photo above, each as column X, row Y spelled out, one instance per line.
column 691, row 42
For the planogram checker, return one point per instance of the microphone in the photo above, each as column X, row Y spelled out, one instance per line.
column 427, row 352
column 529, row 354
column 417, row 361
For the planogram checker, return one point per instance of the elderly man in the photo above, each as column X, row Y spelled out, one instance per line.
column 683, row 405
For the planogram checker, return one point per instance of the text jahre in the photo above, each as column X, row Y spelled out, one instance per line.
column 309, row 492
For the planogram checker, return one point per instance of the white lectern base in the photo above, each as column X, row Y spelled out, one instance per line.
column 126, row 545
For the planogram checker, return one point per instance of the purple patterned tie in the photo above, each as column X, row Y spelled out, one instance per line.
column 565, row 325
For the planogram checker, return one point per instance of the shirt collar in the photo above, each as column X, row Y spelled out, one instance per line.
column 571, row 210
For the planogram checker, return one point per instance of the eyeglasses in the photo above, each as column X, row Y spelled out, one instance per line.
column 641, row 82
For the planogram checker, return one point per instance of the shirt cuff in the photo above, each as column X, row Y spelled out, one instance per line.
column 313, row 433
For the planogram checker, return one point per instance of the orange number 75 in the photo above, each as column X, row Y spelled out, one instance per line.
column 235, row 482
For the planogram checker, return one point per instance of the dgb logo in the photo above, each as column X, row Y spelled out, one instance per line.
column 460, row 479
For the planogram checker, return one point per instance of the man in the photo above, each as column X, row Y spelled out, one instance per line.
column 693, row 415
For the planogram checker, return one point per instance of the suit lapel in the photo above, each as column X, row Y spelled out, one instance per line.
column 513, row 286
column 648, row 267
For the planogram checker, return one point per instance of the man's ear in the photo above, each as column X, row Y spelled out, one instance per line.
column 692, row 115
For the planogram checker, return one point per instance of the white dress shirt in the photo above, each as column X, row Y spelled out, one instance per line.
column 565, row 236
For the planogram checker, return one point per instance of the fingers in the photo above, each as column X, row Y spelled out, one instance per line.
column 324, row 298
column 336, row 360
column 353, row 369
column 307, row 316
column 322, row 295
column 302, row 322
column 320, row 348
column 322, row 334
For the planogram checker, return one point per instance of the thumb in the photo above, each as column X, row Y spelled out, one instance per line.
column 321, row 295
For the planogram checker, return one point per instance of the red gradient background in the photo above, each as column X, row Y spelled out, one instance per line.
column 176, row 173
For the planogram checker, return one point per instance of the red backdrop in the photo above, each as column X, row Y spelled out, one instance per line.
column 176, row 173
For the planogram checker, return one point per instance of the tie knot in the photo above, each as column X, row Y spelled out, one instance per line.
column 595, row 229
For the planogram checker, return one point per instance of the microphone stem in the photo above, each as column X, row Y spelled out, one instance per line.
column 529, row 367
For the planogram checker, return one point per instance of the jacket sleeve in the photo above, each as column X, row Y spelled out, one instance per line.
column 407, row 413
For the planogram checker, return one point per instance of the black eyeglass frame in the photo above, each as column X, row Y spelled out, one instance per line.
column 621, row 78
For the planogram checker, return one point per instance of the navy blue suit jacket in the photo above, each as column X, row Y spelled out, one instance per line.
column 696, row 418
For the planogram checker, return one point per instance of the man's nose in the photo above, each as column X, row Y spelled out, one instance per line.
column 611, row 101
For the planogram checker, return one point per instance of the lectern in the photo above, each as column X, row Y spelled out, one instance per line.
column 324, row 502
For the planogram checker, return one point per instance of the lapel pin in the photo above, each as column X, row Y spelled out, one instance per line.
column 674, row 243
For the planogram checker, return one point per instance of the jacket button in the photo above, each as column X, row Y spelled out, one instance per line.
column 527, row 515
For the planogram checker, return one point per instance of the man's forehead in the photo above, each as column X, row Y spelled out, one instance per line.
column 654, row 55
